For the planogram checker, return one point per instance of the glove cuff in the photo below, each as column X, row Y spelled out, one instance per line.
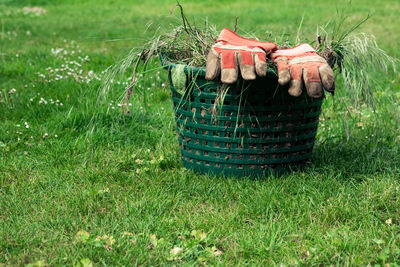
column 227, row 36
column 300, row 50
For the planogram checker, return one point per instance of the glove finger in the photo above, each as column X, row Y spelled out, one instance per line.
column 229, row 71
column 283, row 70
column 327, row 78
column 312, row 81
column 213, row 65
column 260, row 62
column 246, row 65
column 296, row 84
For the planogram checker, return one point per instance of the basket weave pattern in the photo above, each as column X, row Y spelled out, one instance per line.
column 254, row 131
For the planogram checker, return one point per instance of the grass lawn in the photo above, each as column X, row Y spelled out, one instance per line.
column 81, row 183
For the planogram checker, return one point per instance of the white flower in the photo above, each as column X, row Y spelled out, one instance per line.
column 56, row 51
column 34, row 10
column 175, row 250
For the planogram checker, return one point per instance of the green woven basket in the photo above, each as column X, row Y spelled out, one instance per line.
column 259, row 129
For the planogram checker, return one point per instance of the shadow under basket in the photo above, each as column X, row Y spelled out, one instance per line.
column 255, row 129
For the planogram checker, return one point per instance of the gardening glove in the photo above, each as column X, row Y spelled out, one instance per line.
column 232, row 50
column 302, row 61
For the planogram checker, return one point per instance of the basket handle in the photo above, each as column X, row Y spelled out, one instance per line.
column 168, row 65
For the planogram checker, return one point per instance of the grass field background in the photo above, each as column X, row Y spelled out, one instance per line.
column 81, row 183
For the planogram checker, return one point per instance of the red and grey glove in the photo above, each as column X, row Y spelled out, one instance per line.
column 232, row 50
column 303, row 62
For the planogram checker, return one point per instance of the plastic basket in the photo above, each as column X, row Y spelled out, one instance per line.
column 258, row 129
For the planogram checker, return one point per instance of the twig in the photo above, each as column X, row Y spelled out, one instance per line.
column 184, row 20
column 236, row 24
column 319, row 40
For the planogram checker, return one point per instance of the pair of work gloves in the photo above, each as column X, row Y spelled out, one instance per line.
column 232, row 52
